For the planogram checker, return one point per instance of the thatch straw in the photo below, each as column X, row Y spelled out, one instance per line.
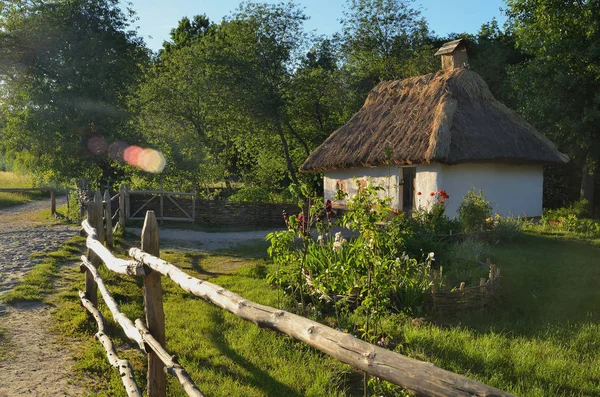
column 447, row 117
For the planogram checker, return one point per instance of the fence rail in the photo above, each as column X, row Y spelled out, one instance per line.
column 421, row 378
column 35, row 189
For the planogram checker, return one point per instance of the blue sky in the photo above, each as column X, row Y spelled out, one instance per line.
column 158, row 17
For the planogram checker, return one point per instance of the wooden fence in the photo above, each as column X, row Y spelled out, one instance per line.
column 421, row 378
column 186, row 207
column 36, row 189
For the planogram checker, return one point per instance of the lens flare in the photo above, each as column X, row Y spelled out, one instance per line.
column 132, row 155
column 97, row 145
column 151, row 160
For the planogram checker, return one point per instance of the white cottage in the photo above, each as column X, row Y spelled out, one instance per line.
column 444, row 130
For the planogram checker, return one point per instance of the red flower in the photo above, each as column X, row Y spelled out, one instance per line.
column 442, row 201
column 418, row 193
column 432, row 194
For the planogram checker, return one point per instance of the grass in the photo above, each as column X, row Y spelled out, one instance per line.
column 540, row 338
column 12, row 180
column 226, row 356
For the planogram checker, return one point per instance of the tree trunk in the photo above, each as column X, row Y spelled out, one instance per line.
column 286, row 152
column 588, row 185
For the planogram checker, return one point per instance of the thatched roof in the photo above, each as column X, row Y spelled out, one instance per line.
column 447, row 117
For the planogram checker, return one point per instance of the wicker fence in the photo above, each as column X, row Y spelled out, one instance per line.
column 185, row 207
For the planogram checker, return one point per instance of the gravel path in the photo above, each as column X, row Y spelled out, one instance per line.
column 34, row 362
column 208, row 241
column 20, row 237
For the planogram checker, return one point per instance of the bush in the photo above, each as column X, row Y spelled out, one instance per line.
column 251, row 195
column 465, row 259
column 473, row 211
column 507, row 229
column 579, row 209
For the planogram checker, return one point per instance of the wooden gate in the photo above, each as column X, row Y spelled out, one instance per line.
column 159, row 201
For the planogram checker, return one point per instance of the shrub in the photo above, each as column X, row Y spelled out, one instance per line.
column 371, row 268
column 465, row 259
column 251, row 195
column 579, row 209
column 434, row 219
column 507, row 229
column 473, row 211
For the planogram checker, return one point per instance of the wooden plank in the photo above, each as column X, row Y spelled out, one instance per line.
column 122, row 207
column 91, row 290
column 423, row 379
column 162, row 195
column 117, row 265
column 122, row 366
column 155, row 316
column 127, row 202
column 178, row 206
column 160, row 192
column 26, row 189
column 128, row 327
column 52, row 202
column 172, row 367
column 108, row 219
column 142, row 207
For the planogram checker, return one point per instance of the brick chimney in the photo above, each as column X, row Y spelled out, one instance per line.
column 454, row 55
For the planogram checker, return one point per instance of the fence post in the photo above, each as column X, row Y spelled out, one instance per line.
column 127, row 206
column 108, row 219
column 162, row 189
column 122, row 207
column 95, row 219
column 194, row 206
column 52, row 202
column 155, row 316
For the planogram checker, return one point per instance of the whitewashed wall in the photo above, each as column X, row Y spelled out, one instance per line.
column 427, row 181
column 511, row 189
column 388, row 177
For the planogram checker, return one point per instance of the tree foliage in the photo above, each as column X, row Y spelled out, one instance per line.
column 557, row 86
column 68, row 68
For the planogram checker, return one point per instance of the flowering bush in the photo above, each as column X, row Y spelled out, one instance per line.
column 571, row 224
column 433, row 219
column 370, row 268
column 473, row 211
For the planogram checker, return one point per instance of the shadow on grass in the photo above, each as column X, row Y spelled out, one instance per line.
column 256, row 377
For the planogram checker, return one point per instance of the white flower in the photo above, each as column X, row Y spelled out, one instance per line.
column 337, row 245
column 338, row 236
column 405, row 257
column 320, row 240
column 431, row 257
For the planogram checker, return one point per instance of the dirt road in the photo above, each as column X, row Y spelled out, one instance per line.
column 32, row 360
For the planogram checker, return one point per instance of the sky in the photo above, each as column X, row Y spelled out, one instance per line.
column 158, row 17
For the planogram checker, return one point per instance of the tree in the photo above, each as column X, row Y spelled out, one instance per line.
column 386, row 40
column 557, row 86
column 68, row 69
column 187, row 32
column 254, row 54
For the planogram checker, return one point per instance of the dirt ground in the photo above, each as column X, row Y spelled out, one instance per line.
column 207, row 241
column 33, row 361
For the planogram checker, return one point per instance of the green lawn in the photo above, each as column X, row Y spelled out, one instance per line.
column 541, row 337
column 226, row 356
column 12, row 180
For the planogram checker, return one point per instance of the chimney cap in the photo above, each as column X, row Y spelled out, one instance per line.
column 450, row 47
